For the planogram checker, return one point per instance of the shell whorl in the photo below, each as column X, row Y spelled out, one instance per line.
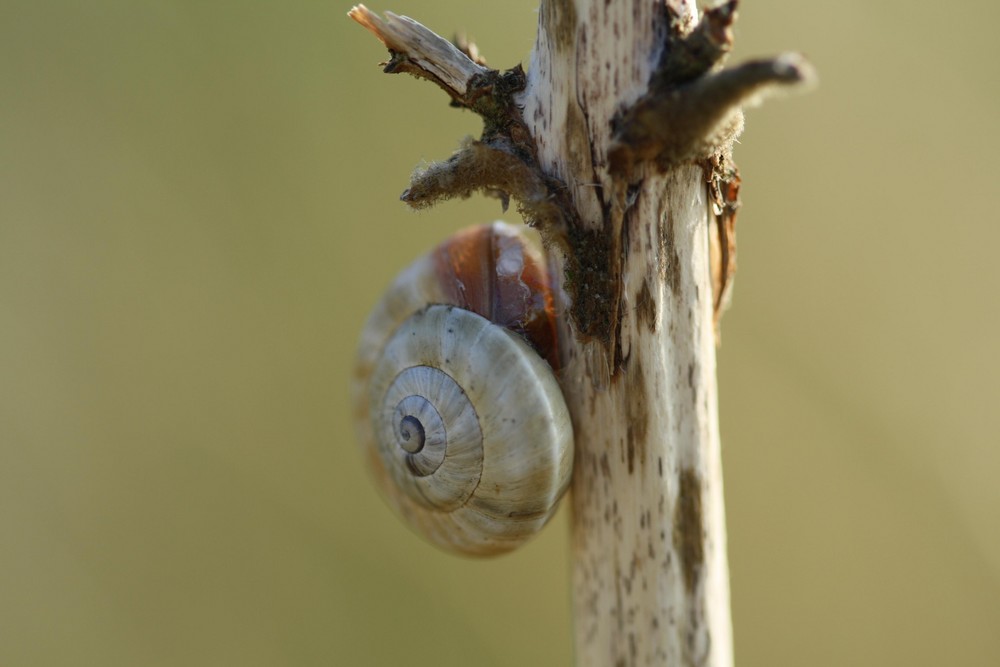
column 428, row 432
column 462, row 421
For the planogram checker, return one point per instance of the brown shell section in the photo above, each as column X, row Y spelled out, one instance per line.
column 491, row 271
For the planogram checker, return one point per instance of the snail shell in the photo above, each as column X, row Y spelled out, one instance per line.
column 456, row 404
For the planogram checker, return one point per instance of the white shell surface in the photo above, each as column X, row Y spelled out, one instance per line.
column 494, row 475
column 508, row 455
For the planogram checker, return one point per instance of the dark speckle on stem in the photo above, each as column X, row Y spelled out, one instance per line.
column 688, row 527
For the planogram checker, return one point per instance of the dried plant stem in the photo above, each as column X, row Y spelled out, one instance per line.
column 617, row 147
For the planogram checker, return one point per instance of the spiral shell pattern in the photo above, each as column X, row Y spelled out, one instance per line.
column 463, row 422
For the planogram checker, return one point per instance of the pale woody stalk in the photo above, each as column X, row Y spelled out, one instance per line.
column 621, row 157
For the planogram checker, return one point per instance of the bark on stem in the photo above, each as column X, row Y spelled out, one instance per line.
column 617, row 148
column 650, row 575
column 650, row 572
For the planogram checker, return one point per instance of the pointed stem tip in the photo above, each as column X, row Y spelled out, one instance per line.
column 420, row 51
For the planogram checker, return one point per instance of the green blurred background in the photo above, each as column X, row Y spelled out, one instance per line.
column 198, row 205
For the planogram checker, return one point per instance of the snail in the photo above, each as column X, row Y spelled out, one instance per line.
column 457, row 407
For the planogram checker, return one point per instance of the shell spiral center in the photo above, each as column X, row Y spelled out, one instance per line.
column 430, row 438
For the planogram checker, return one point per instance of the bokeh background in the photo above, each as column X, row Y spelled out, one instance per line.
column 198, row 206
